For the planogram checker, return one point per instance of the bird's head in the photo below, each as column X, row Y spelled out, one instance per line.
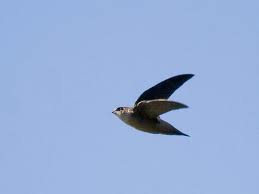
column 122, row 111
column 119, row 111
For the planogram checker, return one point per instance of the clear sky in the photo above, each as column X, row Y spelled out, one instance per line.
column 65, row 65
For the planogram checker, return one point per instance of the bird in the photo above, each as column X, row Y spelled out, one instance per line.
column 145, row 114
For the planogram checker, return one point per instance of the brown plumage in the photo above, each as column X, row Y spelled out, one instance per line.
column 145, row 115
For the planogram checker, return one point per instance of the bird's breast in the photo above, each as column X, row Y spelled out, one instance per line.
column 140, row 123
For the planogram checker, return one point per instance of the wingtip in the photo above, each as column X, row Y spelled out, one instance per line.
column 186, row 135
column 185, row 77
column 190, row 75
column 185, row 106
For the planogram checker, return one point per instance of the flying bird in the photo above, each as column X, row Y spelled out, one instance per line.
column 145, row 115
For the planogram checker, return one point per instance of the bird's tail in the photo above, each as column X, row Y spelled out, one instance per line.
column 168, row 129
column 176, row 132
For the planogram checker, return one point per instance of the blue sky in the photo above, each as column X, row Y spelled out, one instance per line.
column 65, row 65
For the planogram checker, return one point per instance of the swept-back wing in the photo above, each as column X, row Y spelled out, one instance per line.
column 154, row 108
column 164, row 89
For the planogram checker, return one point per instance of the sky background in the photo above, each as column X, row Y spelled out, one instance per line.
column 65, row 65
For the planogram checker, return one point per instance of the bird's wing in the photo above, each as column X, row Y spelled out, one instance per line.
column 154, row 108
column 164, row 89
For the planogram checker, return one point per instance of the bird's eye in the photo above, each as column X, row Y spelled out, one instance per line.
column 119, row 109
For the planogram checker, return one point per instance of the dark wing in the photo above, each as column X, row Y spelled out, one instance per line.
column 164, row 89
column 154, row 108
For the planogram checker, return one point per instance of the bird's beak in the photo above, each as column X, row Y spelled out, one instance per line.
column 114, row 112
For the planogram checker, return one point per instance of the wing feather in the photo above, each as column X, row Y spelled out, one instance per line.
column 154, row 108
column 164, row 89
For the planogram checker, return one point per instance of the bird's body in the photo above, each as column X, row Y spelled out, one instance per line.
column 145, row 115
column 139, row 122
column 146, row 124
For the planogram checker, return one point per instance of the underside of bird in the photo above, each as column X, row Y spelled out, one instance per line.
column 147, row 116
